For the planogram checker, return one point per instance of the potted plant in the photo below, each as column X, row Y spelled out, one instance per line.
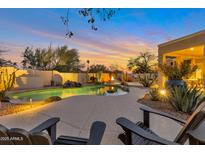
column 176, row 73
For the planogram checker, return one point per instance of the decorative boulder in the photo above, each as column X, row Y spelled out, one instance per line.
column 53, row 99
column 68, row 84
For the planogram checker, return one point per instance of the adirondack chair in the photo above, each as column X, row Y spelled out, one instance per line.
column 139, row 133
column 38, row 136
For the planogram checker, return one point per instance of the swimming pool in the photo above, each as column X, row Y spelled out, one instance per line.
column 39, row 95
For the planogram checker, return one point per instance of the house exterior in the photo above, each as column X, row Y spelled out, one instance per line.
column 189, row 48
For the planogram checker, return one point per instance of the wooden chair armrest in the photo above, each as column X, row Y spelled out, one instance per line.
column 132, row 127
column 96, row 133
column 48, row 125
column 146, row 110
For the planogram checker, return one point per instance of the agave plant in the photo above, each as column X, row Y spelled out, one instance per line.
column 154, row 94
column 186, row 99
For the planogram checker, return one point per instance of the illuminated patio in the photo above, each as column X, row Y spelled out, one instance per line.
column 188, row 49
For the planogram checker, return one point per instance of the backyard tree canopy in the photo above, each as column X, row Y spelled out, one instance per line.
column 67, row 60
column 62, row 59
column 144, row 63
column 91, row 15
column 145, row 66
column 98, row 68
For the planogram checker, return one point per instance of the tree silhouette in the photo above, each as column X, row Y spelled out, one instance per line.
column 92, row 15
column 144, row 63
column 61, row 58
column 98, row 68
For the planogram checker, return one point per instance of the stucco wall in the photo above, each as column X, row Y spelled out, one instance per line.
column 183, row 43
column 28, row 79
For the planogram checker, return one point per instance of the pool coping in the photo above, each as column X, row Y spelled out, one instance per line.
column 37, row 89
column 53, row 87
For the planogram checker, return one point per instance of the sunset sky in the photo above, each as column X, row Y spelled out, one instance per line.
column 129, row 32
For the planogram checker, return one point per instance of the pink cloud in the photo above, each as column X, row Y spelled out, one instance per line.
column 104, row 49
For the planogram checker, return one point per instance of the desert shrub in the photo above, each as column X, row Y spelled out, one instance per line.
column 154, row 94
column 53, row 99
column 147, row 80
column 185, row 99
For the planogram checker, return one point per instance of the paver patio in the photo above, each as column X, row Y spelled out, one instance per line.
column 77, row 114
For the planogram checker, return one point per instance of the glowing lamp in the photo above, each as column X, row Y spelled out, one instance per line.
column 162, row 92
column 112, row 78
column 30, row 100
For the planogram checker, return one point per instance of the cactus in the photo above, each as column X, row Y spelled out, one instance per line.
column 154, row 94
column 7, row 82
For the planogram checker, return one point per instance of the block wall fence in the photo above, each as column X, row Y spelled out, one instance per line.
column 29, row 79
